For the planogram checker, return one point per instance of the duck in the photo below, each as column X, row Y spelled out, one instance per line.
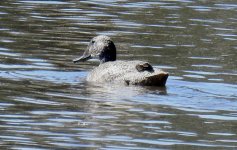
column 110, row 70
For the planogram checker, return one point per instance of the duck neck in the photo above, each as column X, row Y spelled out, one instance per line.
column 108, row 53
column 106, row 59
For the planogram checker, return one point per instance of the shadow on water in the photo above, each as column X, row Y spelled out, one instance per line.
column 45, row 102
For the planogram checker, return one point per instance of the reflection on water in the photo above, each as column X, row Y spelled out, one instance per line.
column 45, row 102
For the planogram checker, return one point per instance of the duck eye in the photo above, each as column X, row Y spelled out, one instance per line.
column 92, row 42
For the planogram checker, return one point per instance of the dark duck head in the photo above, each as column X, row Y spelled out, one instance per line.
column 101, row 47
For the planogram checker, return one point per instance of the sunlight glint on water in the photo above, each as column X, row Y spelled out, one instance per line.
column 46, row 103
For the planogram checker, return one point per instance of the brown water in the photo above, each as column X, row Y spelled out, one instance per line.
column 45, row 102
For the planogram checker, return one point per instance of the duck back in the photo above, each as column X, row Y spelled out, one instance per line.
column 129, row 73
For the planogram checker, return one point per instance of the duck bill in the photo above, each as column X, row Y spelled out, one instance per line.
column 82, row 58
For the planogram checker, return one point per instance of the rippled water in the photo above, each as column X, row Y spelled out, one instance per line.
column 45, row 102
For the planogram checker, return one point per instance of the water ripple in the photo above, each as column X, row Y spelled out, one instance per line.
column 46, row 103
column 45, row 2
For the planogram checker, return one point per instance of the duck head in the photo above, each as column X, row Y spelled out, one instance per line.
column 101, row 47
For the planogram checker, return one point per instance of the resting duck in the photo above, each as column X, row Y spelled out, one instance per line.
column 110, row 70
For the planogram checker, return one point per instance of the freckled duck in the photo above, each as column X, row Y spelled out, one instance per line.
column 126, row 72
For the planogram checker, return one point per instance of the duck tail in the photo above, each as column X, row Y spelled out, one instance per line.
column 158, row 79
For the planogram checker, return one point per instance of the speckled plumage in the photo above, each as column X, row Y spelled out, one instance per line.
column 125, row 72
column 122, row 72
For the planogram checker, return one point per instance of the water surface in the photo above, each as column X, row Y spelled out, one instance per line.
column 45, row 102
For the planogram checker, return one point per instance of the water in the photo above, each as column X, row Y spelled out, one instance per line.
column 45, row 102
